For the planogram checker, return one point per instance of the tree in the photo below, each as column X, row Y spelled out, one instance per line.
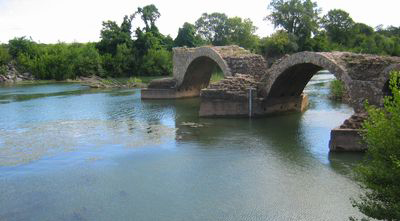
column 213, row 28
column 379, row 175
column 113, row 35
column 338, row 25
column 297, row 17
column 21, row 45
column 187, row 36
column 149, row 15
column 218, row 29
column 241, row 32
column 321, row 42
column 278, row 44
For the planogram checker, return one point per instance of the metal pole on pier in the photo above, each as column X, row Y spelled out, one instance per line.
column 250, row 102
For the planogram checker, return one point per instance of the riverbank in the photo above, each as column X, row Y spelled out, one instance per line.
column 10, row 75
column 92, row 81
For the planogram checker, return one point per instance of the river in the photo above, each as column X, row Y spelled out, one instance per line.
column 68, row 152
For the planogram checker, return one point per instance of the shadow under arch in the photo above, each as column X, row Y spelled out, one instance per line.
column 198, row 73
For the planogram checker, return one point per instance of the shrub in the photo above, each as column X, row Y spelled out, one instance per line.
column 157, row 63
column 379, row 174
column 337, row 89
column 4, row 55
column 3, row 69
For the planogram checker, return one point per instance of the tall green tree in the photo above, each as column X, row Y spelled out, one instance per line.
column 187, row 36
column 113, row 35
column 242, row 32
column 212, row 28
column 218, row 29
column 297, row 17
column 149, row 15
column 380, row 173
column 339, row 26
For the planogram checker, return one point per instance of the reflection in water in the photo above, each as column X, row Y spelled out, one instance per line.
column 66, row 155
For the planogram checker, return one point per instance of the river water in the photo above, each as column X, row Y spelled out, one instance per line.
column 71, row 153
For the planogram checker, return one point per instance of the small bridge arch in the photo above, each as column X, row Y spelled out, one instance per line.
column 193, row 67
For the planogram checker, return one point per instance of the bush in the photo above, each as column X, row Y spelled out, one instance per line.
column 21, row 45
column 278, row 44
column 134, row 80
column 337, row 89
column 3, row 69
column 157, row 63
column 4, row 55
column 61, row 61
column 379, row 174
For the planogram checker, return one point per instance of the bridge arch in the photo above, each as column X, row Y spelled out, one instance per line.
column 290, row 75
column 363, row 75
column 193, row 67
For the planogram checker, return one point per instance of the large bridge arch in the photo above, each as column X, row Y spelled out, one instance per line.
column 364, row 76
column 290, row 76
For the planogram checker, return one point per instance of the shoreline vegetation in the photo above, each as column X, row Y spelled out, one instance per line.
column 136, row 48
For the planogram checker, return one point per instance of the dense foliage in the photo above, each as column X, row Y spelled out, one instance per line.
column 380, row 173
column 126, row 49
column 335, row 31
column 218, row 29
column 121, row 52
column 297, row 17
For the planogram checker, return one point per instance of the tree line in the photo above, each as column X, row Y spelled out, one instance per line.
column 127, row 49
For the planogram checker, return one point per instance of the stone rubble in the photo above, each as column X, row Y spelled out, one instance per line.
column 354, row 122
column 12, row 75
column 231, row 88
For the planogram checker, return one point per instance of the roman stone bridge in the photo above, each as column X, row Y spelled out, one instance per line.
column 193, row 67
column 275, row 89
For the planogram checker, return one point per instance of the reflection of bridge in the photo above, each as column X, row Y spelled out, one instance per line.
column 278, row 89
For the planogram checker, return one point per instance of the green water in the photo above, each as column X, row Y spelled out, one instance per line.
column 71, row 153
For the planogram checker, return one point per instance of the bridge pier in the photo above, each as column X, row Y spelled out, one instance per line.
column 152, row 93
column 346, row 140
column 347, row 137
column 214, row 106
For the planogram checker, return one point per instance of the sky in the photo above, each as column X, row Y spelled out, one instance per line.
column 50, row 21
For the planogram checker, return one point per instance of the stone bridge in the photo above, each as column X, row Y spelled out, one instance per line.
column 275, row 89
column 193, row 67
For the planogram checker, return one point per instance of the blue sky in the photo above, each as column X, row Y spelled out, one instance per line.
column 49, row 21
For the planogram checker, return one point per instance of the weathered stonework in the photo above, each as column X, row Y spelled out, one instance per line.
column 347, row 137
column 193, row 67
column 364, row 76
column 278, row 88
column 231, row 97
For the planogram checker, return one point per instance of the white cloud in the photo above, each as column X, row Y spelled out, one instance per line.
column 80, row 20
